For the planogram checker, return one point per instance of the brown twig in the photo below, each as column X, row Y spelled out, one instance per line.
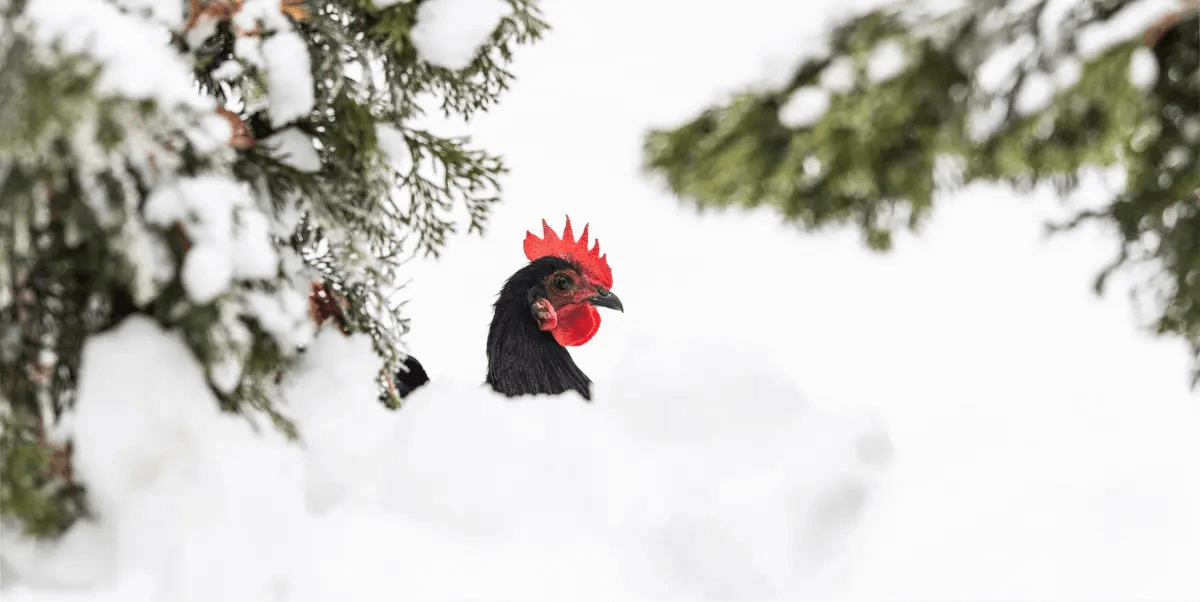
column 222, row 10
column 240, row 137
column 60, row 455
column 325, row 304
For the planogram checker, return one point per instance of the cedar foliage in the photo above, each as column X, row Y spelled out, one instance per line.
column 884, row 145
column 81, row 163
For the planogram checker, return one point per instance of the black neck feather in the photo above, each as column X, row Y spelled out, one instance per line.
column 522, row 359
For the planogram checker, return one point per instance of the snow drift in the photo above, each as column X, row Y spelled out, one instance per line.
column 697, row 473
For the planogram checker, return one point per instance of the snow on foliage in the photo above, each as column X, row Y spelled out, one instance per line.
column 1143, row 68
column 395, row 146
column 697, row 473
column 295, row 148
column 839, row 75
column 1001, row 67
column 289, row 75
column 119, row 41
column 887, row 60
column 207, row 272
column 1036, row 93
column 210, row 208
column 806, row 107
column 168, row 12
column 1133, row 19
column 448, row 33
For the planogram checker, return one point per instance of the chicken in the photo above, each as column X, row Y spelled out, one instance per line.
column 546, row 306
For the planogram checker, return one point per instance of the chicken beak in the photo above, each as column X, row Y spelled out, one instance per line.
column 606, row 298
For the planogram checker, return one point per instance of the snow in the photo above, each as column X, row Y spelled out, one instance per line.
column 1128, row 24
column 228, row 71
column 999, row 70
column 204, row 28
column 207, row 272
column 388, row 3
column 839, row 75
column 1143, row 68
column 295, row 148
column 249, row 49
column 393, row 143
column 233, row 340
column 1067, row 73
column 887, row 60
column 674, row 483
column 229, row 236
column 211, row 135
column 990, row 359
column 448, row 33
column 151, row 442
column 283, row 315
column 984, row 122
column 1190, row 128
column 1050, row 21
column 118, row 41
column 805, row 107
column 1037, row 92
column 266, row 13
column 984, row 433
column 150, row 259
column 254, row 256
column 168, row 12
column 333, row 400
column 204, row 204
column 289, row 74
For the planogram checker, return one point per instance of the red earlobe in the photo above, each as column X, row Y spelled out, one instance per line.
column 577, row 324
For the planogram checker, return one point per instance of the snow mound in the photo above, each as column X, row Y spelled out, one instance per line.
column 191, row 497
column 333, row 401
column 697, row 473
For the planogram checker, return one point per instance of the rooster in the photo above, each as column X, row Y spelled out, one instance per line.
column 546, row 306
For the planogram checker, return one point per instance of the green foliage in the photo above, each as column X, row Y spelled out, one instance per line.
column 884, row 145
column 80, row 163
column 45, row 502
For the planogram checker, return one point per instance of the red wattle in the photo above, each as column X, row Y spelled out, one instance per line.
column 577, row 324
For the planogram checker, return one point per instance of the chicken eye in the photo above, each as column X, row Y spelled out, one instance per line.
column 561, row 282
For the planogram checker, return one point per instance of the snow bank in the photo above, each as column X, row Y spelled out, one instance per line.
column 188, row 497
column 698, row 473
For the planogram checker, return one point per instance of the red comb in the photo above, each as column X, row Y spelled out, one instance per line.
column 576, row 250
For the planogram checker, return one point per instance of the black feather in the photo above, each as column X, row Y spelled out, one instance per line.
column 407, row 378
column 413, row 377
column 523, row 359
